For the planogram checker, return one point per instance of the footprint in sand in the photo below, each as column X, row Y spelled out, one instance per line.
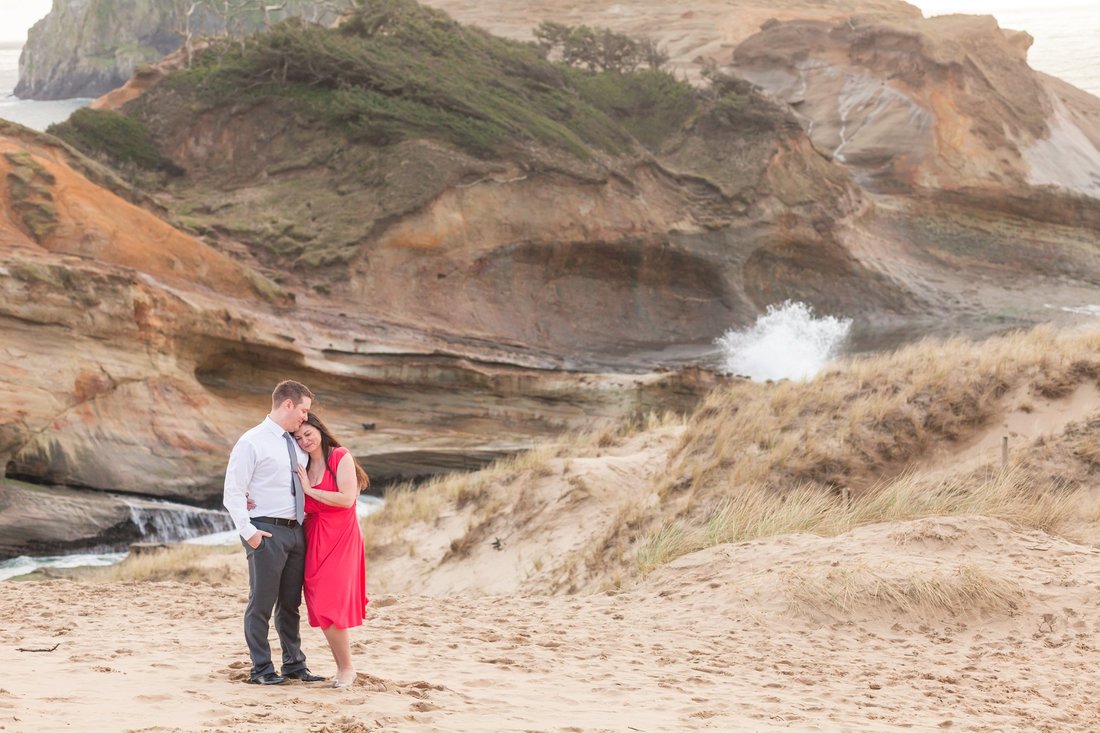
column 344, row 724
column 153, row 698
column 233, row 675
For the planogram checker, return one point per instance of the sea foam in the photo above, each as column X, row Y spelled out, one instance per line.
column 787, row 342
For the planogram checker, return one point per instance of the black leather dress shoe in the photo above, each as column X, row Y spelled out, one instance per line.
column 267, row 679
column 304, row 675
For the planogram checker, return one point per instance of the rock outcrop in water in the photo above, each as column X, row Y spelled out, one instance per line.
column 85, row 48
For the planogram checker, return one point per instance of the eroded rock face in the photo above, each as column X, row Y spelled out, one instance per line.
column 948, row 103
column 702, row 31
column 448, row 308
column 135, row 355
column 47, row 519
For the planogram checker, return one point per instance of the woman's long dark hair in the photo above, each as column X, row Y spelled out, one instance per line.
column 329, row 444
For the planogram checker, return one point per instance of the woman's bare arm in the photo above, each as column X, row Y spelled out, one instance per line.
column 348, row 488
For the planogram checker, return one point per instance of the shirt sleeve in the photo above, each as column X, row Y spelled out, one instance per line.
column 238, row 474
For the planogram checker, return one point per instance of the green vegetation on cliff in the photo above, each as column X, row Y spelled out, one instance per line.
column 123, row 141
column 397, row 70
column 30, row 189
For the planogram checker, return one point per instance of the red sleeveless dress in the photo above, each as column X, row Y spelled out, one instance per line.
column 336, row 577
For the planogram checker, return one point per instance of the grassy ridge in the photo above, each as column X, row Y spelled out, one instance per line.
column 123, row 141
column 396, row 70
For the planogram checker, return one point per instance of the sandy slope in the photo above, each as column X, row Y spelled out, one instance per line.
column 714, row 641
column 545, row 521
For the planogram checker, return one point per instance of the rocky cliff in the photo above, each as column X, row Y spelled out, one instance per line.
column 942, row 104
column 85, row 48
column 463, row 247
column 135, row 354
column 587, row 218
column 693, row 34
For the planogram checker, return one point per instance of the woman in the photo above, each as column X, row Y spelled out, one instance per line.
column 335, row 579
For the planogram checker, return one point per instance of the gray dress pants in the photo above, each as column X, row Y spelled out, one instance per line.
column 275, row 572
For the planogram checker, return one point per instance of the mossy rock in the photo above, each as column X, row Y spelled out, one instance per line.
column 30, row 189
column 266, row 288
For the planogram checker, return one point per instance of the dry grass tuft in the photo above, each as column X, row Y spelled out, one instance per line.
column 873, row 415
column 610, row 434
column 959, row 590
column 190, row 563
column 482, row 494
column 757, row 511
column 823, row 457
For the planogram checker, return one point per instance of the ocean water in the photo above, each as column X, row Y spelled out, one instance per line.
column 1067, row 42
column 29, row 113
column 103, row 556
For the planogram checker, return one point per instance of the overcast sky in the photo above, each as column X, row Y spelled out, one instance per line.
column 16, row 16
column 990, row 7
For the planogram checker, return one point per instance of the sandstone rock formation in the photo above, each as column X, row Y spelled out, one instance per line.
column 458, row 285
column 946, row 104
column 693, row 33
column 135, row 354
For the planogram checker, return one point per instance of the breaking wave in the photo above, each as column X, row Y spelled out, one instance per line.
column 787, row 342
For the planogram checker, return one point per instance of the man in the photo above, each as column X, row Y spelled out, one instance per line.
column 263, row 468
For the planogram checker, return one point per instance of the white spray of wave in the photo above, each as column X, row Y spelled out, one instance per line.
column 787, row 342
column 1087, row 310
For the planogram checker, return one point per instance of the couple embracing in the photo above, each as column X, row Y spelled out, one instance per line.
column 291, row 490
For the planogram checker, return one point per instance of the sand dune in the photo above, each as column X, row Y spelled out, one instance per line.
column 756, row 636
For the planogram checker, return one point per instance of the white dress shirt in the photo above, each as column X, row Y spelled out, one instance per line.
column 259, row 466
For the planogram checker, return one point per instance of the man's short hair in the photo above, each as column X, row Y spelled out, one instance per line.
column 290, row 390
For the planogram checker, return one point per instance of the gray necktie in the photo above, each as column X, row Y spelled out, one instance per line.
column 295, row 482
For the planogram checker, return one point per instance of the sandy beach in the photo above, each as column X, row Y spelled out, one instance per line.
column 509, row 284
column 723, row 639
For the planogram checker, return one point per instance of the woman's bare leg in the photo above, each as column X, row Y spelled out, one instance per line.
column 339, row 640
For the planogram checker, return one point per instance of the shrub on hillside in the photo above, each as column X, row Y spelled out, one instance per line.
column 118, row 139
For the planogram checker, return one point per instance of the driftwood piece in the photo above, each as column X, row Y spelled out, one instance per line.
column 147, row 548
column 21, row 649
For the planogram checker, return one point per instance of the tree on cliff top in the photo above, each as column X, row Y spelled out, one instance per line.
column 598, row 49
column 238, row 18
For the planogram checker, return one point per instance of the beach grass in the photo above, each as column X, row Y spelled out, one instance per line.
column 825, row 456
column 183, row 562
column 955, row 590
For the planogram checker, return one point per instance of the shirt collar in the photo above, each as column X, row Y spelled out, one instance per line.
column 273, row 427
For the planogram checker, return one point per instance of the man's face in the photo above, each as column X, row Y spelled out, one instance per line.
column 300, row 412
